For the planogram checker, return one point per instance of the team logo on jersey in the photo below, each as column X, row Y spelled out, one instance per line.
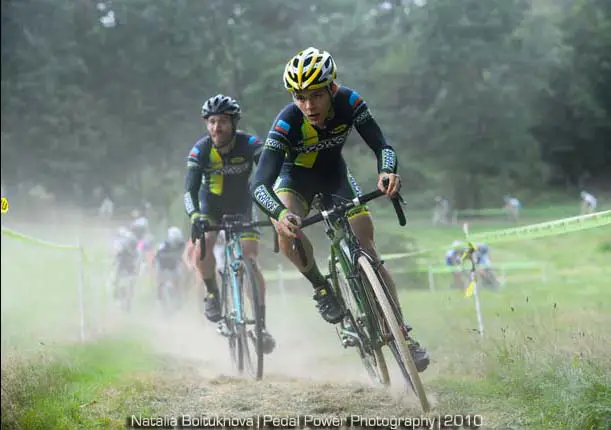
column 322, row 145
column 233, row 169
column 275, row 145
column 355, row 99
column 282, row 127
column 237, row 159
column 339, row 129
column 194, row 152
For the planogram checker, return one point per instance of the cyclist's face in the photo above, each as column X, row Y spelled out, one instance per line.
column 220, row 128
column 314, row 104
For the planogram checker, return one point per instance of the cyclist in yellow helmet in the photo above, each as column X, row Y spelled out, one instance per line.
column 302, row 157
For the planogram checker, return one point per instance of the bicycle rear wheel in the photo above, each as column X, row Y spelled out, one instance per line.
column 252, row 318
column 125, row 292
column 169, row 293
column 371, row 355
column 392, row 331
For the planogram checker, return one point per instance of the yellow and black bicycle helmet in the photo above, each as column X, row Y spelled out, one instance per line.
column 308, row 70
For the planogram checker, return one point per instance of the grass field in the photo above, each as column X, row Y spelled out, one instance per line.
column 543, row 362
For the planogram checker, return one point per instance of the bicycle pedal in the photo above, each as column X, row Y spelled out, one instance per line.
column 223, row 330
column 348, row 340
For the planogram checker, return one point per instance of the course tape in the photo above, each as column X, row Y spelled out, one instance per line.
column 532, row 231
column 20, row 236
column 545, row 229
column 35, row 241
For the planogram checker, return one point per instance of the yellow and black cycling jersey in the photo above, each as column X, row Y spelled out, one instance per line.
column 215, row 179
column 296, row 148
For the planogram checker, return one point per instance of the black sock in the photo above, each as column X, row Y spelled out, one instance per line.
column 211, row 286
column 314, row 276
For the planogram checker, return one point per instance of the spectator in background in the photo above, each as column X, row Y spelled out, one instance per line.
column 441, row 211
column 107, row 208
column 588, row 203
column 512, row 207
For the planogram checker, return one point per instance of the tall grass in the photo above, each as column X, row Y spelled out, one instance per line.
column 52, row 389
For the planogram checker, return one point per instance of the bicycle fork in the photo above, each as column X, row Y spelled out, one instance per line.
column 346, row 331
column 236, row 312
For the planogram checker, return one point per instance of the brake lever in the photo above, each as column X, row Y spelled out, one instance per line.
column 401, row 200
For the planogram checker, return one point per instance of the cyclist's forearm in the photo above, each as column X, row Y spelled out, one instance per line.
column 193, row 181
column 372, row 135
column 265, row 197
column 262, row 191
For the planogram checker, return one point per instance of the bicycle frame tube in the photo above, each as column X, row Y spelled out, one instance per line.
column 344, row 245
column 233, row 254
column 344, row 240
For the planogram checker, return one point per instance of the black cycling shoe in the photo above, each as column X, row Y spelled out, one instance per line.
column 327, row 304
column 212, row 308
column 419, row 354
column 268, row 342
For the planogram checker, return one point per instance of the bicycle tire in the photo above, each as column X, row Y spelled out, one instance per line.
column 248, row 274
column 126, row 293
column 165, row 297
column 373, row 359
column 403, row 357
column 227, row 311
column 171, row 297
column 131, row 287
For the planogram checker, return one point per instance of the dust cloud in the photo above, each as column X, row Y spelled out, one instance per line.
column 308, row 357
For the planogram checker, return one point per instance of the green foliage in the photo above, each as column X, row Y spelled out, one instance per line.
column 479, row 98
column 51, row 390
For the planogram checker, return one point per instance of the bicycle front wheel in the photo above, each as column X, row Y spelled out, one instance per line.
column 394, row 335
column 251, row 327
column 370, row 353
column 229, row 328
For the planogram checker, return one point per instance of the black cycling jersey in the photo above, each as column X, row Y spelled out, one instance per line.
column 294, row 147
column 169, row 257
column 221, row 177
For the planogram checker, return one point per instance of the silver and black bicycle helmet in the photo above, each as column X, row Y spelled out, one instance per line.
column 221, row 104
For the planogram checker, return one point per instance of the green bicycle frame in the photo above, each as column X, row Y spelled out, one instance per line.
column 345, row 247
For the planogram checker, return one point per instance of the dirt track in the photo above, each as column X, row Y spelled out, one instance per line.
column 308, row 373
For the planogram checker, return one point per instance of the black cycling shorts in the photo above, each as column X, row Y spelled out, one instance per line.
column 305, row 184
column 213, row 208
